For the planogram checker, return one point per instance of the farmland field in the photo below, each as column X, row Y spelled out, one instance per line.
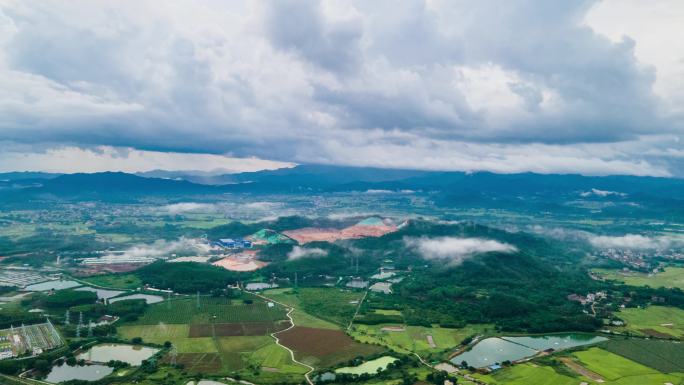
column 529, row 374
column 330, row 304
column 664, row 356
column 222, row 310
column 241, row 348
column 657, row 321
column 156, row 334
column 619, row 370
column 414, row 338
column 301, row 318
column 671, row 277
column 232, row 349
column 324, row 347
column 176, row 334
column 236, row 329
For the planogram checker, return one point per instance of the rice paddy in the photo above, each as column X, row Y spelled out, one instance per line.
column 619, row 370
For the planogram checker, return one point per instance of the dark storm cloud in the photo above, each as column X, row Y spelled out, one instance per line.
column 337, row 82
column 300, row 27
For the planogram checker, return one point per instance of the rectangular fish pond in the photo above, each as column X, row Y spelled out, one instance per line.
column 498, row 349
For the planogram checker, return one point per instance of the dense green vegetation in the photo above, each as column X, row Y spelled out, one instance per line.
column 65, row 299
column 186, row 277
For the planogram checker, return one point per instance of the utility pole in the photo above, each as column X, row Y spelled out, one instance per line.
column 66, row 318
column 198, row 300
column 296, row 282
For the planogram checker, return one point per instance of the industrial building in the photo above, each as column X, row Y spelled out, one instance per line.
column 229, row 243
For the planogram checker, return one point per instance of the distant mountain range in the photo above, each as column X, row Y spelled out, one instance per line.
column 448, row 188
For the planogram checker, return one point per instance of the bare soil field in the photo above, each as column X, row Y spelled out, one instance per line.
column 324, row 347
column 655, row 333
column 581, row 370
column 311, row 234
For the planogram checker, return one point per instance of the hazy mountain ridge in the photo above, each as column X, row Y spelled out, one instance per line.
column 451, row 187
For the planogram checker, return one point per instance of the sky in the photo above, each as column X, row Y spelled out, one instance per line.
column 590, row 87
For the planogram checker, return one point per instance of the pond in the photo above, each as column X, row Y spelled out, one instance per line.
column 369, row 367
column 52, row 285
column 86, row 373
column 132, row 354
column 496, row 350
column 101, row 293
column 147, row 297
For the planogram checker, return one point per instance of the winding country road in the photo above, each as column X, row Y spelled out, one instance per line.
column 277, row 340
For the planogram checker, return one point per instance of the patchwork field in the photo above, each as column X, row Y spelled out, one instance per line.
column 324, row 347
column 205, row 345
column 301, row 318
column 615, row 369
column 664, row 356
column 334, row 305
column 236, row 329
column 529, row 374
column 656, row 321
column 671, row 277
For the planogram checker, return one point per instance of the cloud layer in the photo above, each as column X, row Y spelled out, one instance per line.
column 163, row 248
column 456, row 250
column 637, row 242
column 524, row 85
column 299, row 252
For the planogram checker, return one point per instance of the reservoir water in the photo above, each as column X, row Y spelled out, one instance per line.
column 131, row 354
column 86, row 373
column 498, row 349
column 101, row 293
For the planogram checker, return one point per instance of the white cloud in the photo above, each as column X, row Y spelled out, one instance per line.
column 107, row 158
column 512, row 86
column 601, row 193
column 163, row 248
column 299, row 252
column 636, row 242
column 263, row 206
column 189, row 207
column 456, row 249
column 652, row 26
